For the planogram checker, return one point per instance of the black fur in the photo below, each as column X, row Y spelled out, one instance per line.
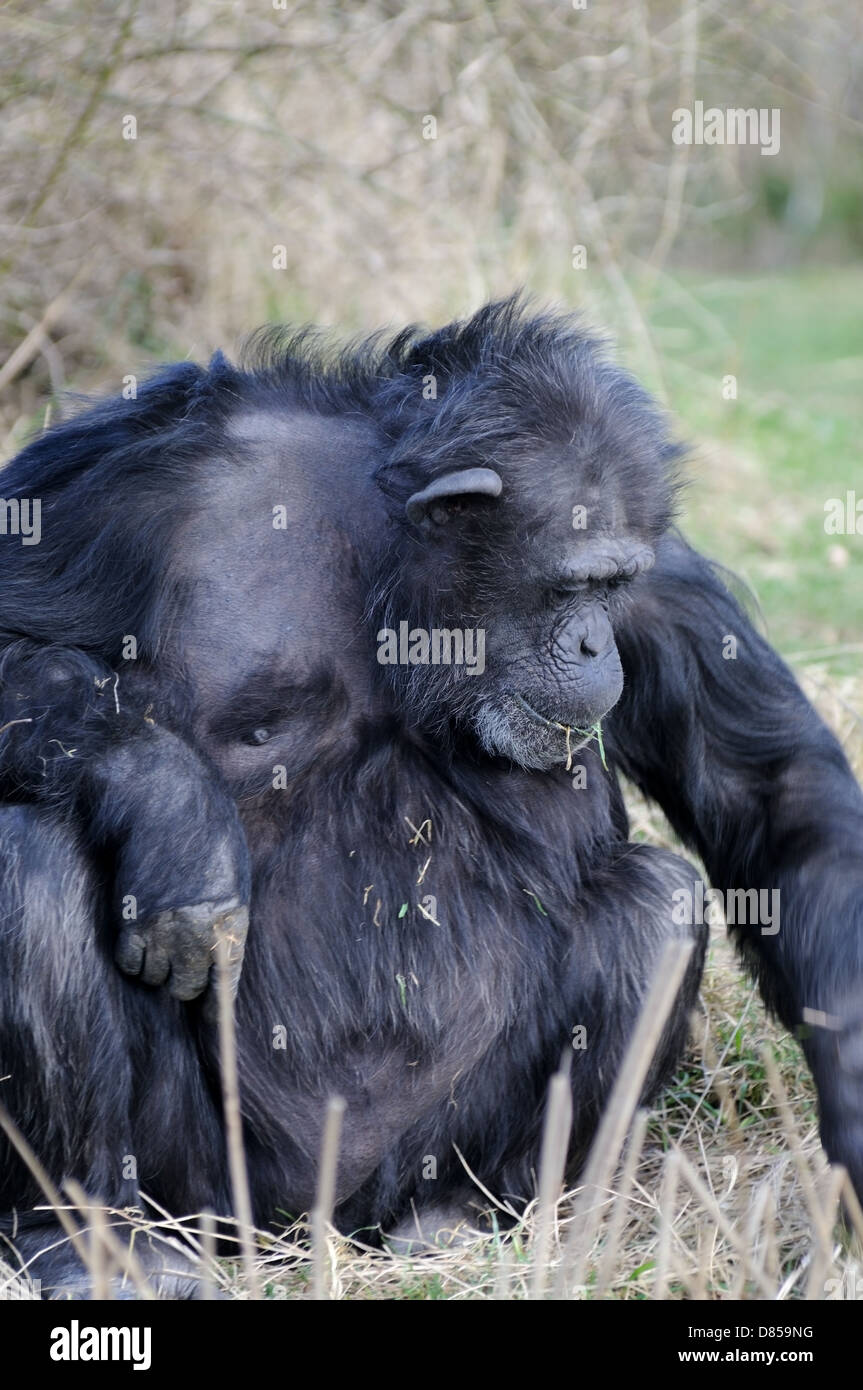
column 255, row 751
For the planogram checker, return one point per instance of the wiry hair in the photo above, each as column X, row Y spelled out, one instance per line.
column 507, row 380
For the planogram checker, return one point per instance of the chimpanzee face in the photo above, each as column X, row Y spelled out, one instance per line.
column 533, row 575
column 554, row 668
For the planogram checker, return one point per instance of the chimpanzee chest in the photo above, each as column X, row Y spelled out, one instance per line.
column 393, row 1006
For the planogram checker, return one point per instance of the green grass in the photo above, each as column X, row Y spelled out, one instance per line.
column 765, row 464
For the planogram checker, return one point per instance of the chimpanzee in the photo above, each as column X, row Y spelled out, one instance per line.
column 348, row 647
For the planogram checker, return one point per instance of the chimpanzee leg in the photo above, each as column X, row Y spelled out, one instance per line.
column 612, row 965
column 100, row 1072
column 586, row 1014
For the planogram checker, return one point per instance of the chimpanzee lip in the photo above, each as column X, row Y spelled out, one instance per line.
column 541, row 719
column 534, row 714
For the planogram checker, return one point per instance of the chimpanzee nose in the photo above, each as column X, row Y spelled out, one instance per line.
column 597, row 636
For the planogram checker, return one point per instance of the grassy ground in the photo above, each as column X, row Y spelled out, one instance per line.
column 766, row 463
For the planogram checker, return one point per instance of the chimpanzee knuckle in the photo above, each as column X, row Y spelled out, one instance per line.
column 189, row 978
column 178, row 945
column 189, row 922
column 157, row 964
column 129, row 951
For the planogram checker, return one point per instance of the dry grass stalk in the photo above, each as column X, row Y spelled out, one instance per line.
column 207, row 1285
column 619, row 1111
column 611, row 1250
column 322, row 1214
column 233, row 1118
column 558, row 1123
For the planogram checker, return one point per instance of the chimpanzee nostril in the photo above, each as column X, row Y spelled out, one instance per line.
column 596, row 636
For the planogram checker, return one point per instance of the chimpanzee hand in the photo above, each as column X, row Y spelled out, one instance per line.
column 156, row 814
column 178, row 947
column 181, row 878
column 834, row 1050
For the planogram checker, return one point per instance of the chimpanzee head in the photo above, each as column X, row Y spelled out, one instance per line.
column 465, row 514
column 540, row 483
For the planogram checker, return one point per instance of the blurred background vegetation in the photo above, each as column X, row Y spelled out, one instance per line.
column 304, row 125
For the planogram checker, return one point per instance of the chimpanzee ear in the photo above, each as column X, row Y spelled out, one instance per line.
column 463, row 482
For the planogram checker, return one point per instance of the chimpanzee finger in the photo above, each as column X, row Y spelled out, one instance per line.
column 129, row 951
column 157, row 964
column 188, row 979
column 232, row 929
column 188, row 935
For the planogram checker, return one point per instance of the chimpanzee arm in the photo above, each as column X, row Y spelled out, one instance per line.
column 72, row 738
column 712, row 725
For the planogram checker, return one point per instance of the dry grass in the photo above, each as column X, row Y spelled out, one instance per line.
column 308, row 128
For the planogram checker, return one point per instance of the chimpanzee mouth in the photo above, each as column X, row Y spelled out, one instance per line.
column 583, row 736
column 568, row 729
